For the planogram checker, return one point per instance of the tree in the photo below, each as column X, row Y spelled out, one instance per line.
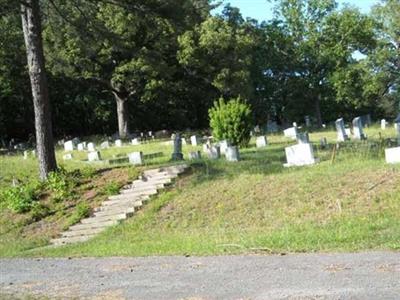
column 31, row 24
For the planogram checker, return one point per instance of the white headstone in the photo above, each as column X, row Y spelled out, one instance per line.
column 383, row 124
column 135, row 141
column 299, row 155
column 392, row 155
column 341, row 131
column 103, row 145
column 261, row 141
column 348, row 131
column 91, row 147
column 232, row 153
column 67, row 156
column 183, row 141
column 213, row 152
column 69, row 146
column 136, row 158
column 194, row 140
column 294, row 124
column 94, row 156
column 118, row 143
column 194, row 155
column 26, row 154
column 291, row 132
column 358, row 129
column 223, row 145
column 81, row 146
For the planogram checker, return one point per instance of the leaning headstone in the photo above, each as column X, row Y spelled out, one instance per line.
column 194, row 155
column 67, row 156
column 135, row 141
column 299, row 155
column 303, row 138
column 358, row 129
column 341, row 131
column 69, row 146
column 194, row 140
column 392, row 155
column 261, row 141
column 91, row 147
column 118, row 143
column 94, row 156
column 177, row 154
column 26, row 154
column 291, row 133
column 136, row 158
column 232, row 153
column 103, row 145
column 383, row 124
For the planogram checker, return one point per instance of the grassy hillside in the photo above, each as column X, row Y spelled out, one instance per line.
column 346, row 204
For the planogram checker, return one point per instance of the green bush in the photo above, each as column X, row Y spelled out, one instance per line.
column 111, row 188
column 61, row 183
column 231, row 121
column 20, row 198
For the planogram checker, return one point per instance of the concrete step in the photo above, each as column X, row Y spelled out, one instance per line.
column 114, row 210
column 143, row 188
column 70, row 240
column 95, row 219
column 81, row 226
column 132, row 192
column 125, row 204
column 124, row 200
column 128, row 196
column 90, row 231
column 153, row 181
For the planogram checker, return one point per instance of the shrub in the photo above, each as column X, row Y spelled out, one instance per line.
column 111, row 188
column 20, row 198
column 231, row 121
column 61, row 183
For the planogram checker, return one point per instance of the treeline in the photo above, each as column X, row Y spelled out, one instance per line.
column 160, row 64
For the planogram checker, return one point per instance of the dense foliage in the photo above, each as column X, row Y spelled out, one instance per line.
column 231, row 121
column 162, row 64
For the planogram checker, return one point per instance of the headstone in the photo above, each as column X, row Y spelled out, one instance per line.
column 91, row 147
column 223, row 145
column 323, row 142
column 194, row 155
column 103, row 145
column 261, row 141
column 307, row 119
column 358, row 129
column 94, row 156
column 291, row 133
column 118, row 143
column 348, row 132
column 232, row 153
column 135, row 141
column 294, row 124
column 299, row 155
column 194, row 140
column 136, row 158
column 392, row 155
column 272, row 126
column 383, row 124
column 183, row 141
column 26, row 154
column 34, row 153
column 341, row 131
column 303, row 138
column 177, row 154
column 69, row 146
column 213, row 152
column 81, row 146
column 67, row 156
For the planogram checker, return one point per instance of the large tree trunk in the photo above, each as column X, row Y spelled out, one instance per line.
column 30, row 13
column 123, row 116
column 318, row 114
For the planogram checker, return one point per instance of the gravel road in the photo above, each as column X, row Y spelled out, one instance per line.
column 368, row 275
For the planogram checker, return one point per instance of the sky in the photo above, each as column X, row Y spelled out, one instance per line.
column 261, row 10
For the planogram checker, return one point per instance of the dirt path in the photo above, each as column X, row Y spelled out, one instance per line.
column 370, row 275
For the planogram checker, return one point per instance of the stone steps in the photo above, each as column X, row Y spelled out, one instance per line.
column 120, row 207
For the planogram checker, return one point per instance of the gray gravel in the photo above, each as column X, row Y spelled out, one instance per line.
column 370, row 275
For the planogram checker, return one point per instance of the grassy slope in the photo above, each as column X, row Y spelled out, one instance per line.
column 257, row 205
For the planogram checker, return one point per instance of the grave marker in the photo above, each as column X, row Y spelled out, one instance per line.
column 194, row 155
column 69, row 146
column 103, row 145
column 341, row 131
column 67, row 156
column 118, row 143
column 299, row 155
column 94, row 156
column 232, row 153
column 261, row 142
column 358, row 129
column 91, row 147
column 136, row 158
column 383, row 124
column 177, row 154
column 291, row 133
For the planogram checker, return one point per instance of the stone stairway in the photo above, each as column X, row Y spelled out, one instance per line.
column 120, row 207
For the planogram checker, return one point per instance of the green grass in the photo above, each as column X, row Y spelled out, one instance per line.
column 258, row 206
